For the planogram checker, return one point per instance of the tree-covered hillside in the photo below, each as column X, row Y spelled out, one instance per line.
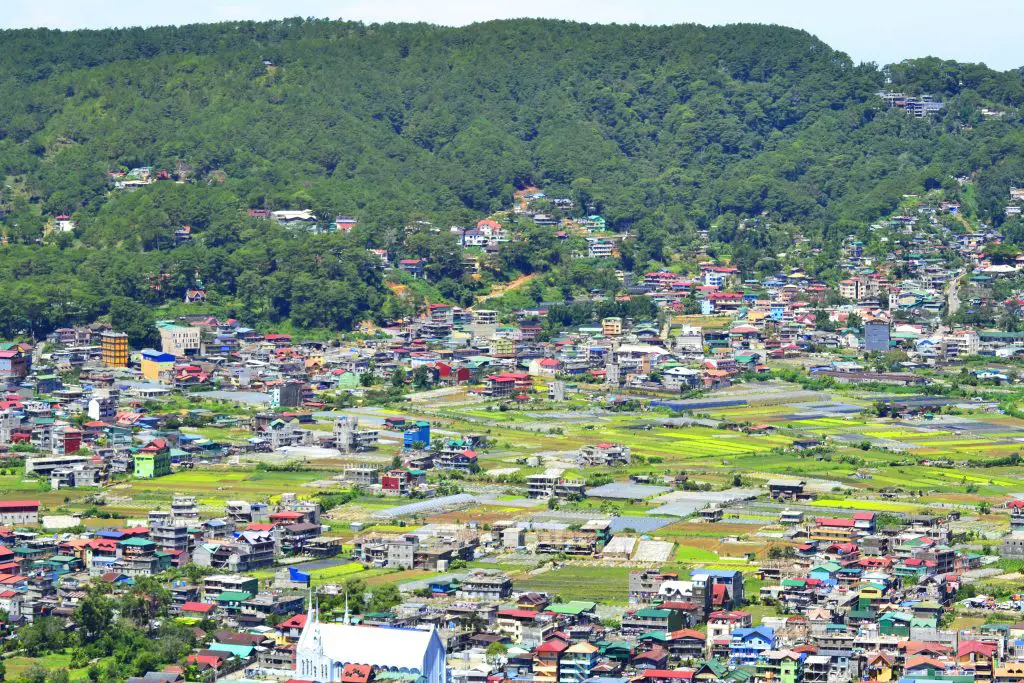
column 663, row 130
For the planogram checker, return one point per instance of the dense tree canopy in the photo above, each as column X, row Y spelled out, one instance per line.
column 663, row 130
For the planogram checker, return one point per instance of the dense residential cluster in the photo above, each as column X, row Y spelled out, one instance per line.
column 271, row 586
column 734, row 433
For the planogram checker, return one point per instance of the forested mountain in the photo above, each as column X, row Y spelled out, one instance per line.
column 663, row 130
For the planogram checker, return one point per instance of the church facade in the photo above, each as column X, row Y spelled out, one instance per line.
column 325, row 650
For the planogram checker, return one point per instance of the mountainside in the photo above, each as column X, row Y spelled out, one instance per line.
column 663, row 130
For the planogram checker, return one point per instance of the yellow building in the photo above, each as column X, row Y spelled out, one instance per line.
column 115, row 349
column 157, row 366
column 611, row 327
column 502, row 346
column 830, row 530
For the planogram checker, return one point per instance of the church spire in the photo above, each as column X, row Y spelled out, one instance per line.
column 348, row 619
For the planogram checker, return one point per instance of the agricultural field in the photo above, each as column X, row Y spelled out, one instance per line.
column 574, row 582
column 907, row 466
column 19, row 665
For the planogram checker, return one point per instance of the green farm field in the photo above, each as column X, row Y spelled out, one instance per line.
column 600, row 584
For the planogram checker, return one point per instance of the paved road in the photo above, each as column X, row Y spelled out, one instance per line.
column 953, row 295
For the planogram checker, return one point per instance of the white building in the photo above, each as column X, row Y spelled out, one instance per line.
column 325, row 650
column 179, row 340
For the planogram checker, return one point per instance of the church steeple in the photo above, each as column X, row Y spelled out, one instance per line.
column 311, row 613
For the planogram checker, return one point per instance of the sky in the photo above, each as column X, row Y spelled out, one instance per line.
column 881, row 31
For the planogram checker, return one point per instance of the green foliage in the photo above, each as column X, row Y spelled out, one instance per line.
column 745, row 131
column 385, row 597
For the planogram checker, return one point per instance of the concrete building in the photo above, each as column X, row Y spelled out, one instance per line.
column 80, row 474
column 876, row 335
column 19, row 512
column 486, row 584
column 179, row 340
column 556, row 391
column 611, row 327
column 157, row 366
column 184, row 507
column 551, row 483
column 103, row 405
column 45, row 466
column 287, row 395
column 349, row 438
column 1012, row 547
column 114, row 347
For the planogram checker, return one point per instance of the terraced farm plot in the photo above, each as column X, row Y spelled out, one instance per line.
column 216, row 486
column 873, row 505
column 693, row 442
column 688, row 553
column 600, row 584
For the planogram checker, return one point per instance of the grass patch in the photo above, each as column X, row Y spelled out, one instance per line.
column 599, row 584
column 880, row 505
column 687, row 553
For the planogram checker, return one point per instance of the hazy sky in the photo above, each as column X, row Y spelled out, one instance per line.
column 868, row 30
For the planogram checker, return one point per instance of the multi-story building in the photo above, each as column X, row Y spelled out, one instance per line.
column 1016, row 508
column 551, row 484
column 876, row 335
column 512, row 623
column 1012, row 547
column 45, row 466
column 720, row 626
column 103, row 405
column 294, row 537
column 114, row 348
column 486, row 584
column 779, row 666
column 748, row 645
column 361, row 475
column 243, row 512
column 832, row 530
column 852, row 288
column 978, row 658
column 645, row 585
column 724, row 586
column 639, row 621
column 598, row 247
column 14, row 363
column 578, row 662
column 398, row 482
column 305, row 509
column 215, row 584
column 603, row 454
column 502, row 347
column 499, row 386
column 566, row 541
column 611, row 327
column 392, row 551
column 157, row 366
column 547, row 659
column 179, row 340
column 172, row 535
column 140, row 557
column 417, row 435
column 80, row 474
column 686, row 644
column 485, row 317
column 153, row 460
column 349, row 438
column 184, row 507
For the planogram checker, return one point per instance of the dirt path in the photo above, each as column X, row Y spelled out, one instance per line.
column 498, row 290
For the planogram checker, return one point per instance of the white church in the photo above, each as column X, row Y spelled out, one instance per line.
column 324, row 650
